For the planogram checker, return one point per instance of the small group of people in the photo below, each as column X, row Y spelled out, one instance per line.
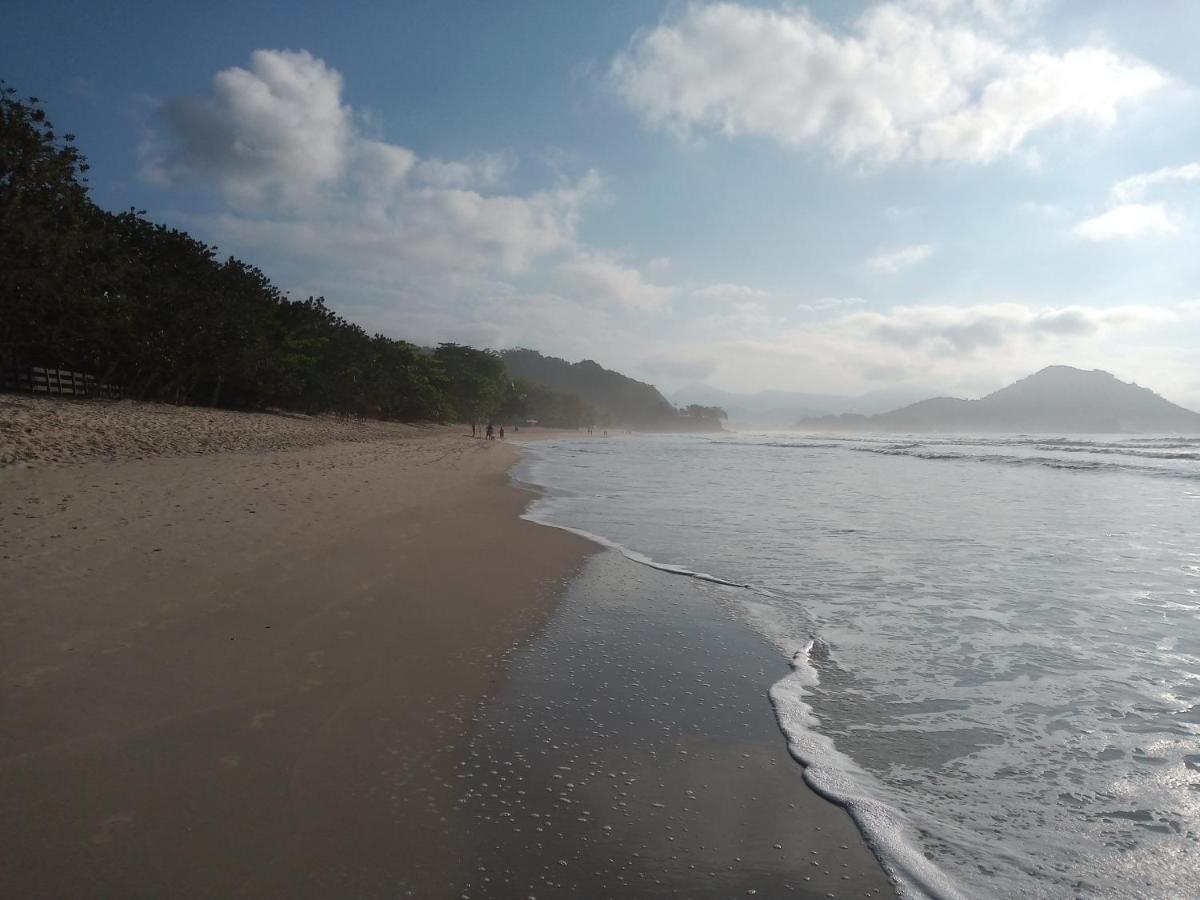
column 488, row 433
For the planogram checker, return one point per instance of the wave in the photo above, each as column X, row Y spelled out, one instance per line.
column 640, row 558
column 837, row 778
column 830, row 773
column 1136, row 452
column 942, row 450
column 1049, row 462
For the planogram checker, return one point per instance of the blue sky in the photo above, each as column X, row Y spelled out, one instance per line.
column 940, row 194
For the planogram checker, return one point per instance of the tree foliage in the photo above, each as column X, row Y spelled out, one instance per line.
column 157, row 310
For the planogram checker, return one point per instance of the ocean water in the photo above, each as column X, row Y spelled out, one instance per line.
column 995, row 640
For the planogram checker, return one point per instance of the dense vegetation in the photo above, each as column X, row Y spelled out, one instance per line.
column 157, row 311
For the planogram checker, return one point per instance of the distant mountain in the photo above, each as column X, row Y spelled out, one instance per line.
column 781, row 409
column 1058, row 399
column 618, row 399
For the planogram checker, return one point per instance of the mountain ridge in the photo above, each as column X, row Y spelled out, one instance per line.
column 780, row 409
column 1060, row 399
column 616, row 398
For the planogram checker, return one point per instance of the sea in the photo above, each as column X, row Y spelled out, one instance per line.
column 994, row 640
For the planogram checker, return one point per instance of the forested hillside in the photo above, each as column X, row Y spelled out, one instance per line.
column 159, row 313
column 617, row 398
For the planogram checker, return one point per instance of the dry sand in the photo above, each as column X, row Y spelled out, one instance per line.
column 41, row 430
column 221, row 675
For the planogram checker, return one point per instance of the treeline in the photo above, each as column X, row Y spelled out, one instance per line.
column 154, row 310
column 157, row 311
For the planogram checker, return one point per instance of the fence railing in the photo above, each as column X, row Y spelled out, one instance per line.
column 58, row 382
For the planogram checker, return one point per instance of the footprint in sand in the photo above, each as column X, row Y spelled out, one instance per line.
column 260, row 719
column 108, row 828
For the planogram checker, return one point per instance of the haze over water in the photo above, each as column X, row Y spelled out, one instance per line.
column 1006, row 632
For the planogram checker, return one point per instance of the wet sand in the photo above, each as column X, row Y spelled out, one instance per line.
column 633, row 752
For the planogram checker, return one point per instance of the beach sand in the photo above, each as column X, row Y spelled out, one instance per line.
column 220, row 674
column 632, row 752
column 255, row 655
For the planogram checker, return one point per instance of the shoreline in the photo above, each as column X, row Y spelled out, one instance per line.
column 249, row 671
column 227, row 674
column 633, row 752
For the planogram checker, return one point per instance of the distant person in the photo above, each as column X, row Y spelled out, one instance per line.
column 501, row 432
column 473, row 430
column 491, row 432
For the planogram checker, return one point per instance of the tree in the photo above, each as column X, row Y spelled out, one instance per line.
column 477, row 381
column 695, row 417
column 51, row 234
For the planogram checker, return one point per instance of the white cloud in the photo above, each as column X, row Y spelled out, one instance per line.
column 727, row 291
column 895, row 260
column 828, row 303
column 957, row 330
column 1135, row 188
column 378, row 167
column 290, row 159
column 1130, row 220
column 483, row 170
column 922, row 81
column 964, row 350
column 279, row 126
column 604, row 278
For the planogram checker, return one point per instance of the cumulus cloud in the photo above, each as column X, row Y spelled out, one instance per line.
column 1135, row 188
column 605, row 278
column 290, row 157
column 920, row 81
column 482, row 170
column 1130, row 220
column 279, row 125
column 895, row 260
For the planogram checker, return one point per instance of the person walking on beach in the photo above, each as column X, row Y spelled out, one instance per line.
column 491, row 436
column 472, row 429
column 501, row 432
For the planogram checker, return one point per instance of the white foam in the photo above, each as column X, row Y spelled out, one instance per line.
column 829, row 772
column 530, row 515
column 837, row 778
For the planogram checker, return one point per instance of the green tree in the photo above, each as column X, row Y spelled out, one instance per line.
column 476, row 381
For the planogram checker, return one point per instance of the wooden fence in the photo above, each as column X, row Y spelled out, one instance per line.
column 59, row 383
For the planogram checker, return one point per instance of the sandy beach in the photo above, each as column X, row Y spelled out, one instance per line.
column 257, row 655
column 222, row 673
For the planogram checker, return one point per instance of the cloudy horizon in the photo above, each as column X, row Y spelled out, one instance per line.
column 933, row 194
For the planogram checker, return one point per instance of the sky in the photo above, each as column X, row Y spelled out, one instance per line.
column 834, row 197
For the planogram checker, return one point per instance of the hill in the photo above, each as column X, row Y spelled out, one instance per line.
column 781, row 409
column 1058, row 399
column 618, row 399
